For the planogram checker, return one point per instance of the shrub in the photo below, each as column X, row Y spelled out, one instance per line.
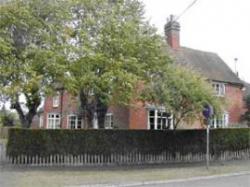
column 76, row 142
column 8, row 119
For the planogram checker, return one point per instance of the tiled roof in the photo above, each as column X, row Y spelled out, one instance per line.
column 206, row 63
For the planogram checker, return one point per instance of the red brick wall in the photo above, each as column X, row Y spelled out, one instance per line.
column 70, row 106
column 120, row 116
column 235, row 103
column 235, row 107
column 138, row 116
column 67, row 105
column 173, row 39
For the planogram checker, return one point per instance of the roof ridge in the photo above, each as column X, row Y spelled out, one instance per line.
column 198, row 50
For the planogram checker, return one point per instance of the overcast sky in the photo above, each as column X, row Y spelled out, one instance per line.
column 220, row 26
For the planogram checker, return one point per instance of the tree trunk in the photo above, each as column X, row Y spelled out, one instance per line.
column 26, row 119
column 83, row 108
column 94, row 110
column 87, row 108
column 101, row 113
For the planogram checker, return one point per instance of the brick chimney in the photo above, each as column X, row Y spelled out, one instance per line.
column 172, row 33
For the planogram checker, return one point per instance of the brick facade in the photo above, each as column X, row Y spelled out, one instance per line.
column 136, row 117
column 235, row 103
column 120, row 116
column 67, row 105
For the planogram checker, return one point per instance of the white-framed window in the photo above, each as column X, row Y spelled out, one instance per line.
column 109, row 123
column 221, row 121
column 56, row 100
column 75, row 122
column 159, row 119
column 54, row 121
column 219, row 88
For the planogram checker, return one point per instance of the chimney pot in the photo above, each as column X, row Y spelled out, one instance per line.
column 172, row 32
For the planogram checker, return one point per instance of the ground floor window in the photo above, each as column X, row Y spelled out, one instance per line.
column 109, row 124
column 75, row 122
column 54, row 121
column 159, row 119
column 220, row 122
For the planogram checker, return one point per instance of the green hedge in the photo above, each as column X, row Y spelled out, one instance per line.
column 75, row 142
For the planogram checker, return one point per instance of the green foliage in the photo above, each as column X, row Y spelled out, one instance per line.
column 247, row 99
column 100, row 50
column 8, row 119
column 31, row 51
column 76, row 142
column 246, row 116
column 184, row 93
column 114, row 49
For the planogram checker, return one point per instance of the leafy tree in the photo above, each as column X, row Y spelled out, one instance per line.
column 31, row 57
column 114, row 51
column 184, row 93
column 248, row 101
column 246, row 116
column 8, row 118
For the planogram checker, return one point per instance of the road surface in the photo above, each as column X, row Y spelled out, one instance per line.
column 224, row 181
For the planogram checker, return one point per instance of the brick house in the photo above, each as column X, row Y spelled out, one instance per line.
column 61, row 111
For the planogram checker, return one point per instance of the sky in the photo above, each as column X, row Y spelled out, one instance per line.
column 220, row 26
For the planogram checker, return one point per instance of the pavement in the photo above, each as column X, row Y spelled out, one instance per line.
column 230, row 180
column 149, row 175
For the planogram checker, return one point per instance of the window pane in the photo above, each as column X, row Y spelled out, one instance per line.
column 159, row 126
column 109, row 120
column 72, row 121
column 79, row 123
column 152, row 127
column 159, row 114
column 152, row 120
column 159, row 121
column 55, row 100
column 54, row 121
column 164, row 123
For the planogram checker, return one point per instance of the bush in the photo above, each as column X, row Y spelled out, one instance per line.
column 8, row 119
column 75, row 142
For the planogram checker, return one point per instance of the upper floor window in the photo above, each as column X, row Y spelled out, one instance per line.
column 56, row 100
column 54, row 121
column 221, row 121
column 75, row 122
column 109, row 124
column 219, row 88
column 159, row 119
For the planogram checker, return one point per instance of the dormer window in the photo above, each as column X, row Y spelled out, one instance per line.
column 56, row 100
column 219, row 89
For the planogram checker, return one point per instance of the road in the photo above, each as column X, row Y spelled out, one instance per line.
column 224, row 181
